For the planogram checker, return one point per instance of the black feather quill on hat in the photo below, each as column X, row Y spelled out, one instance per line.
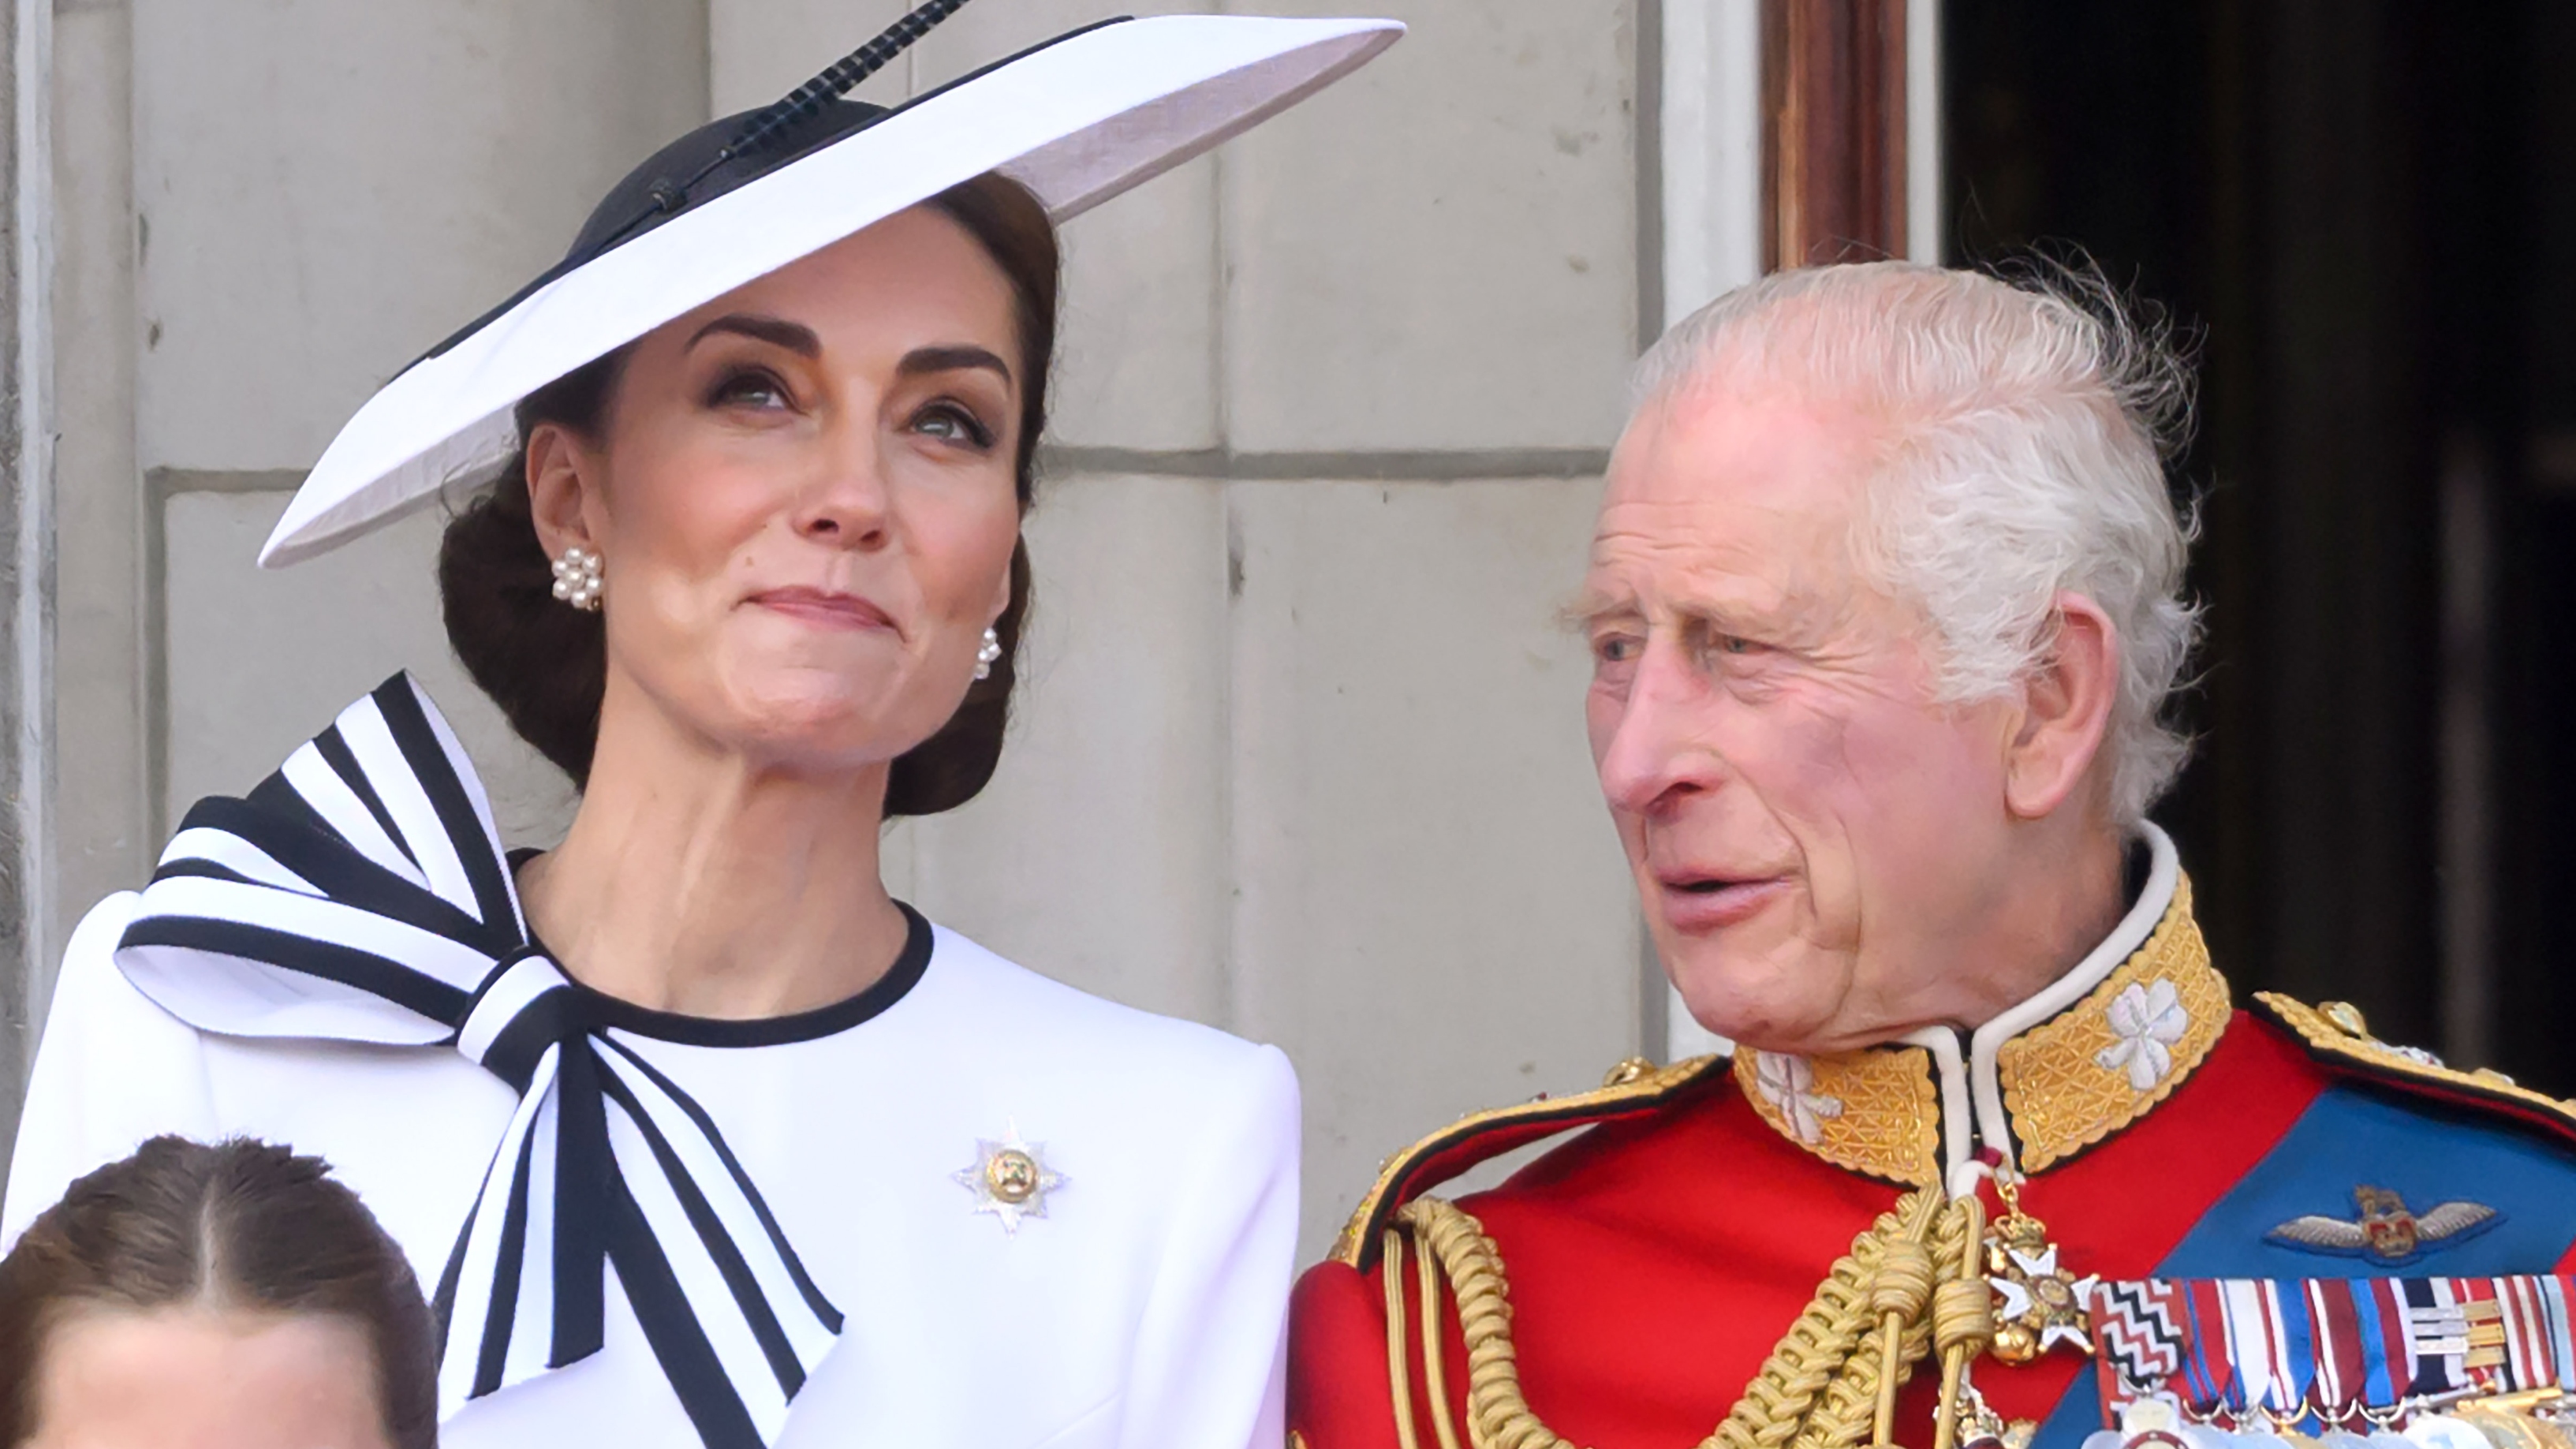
column 731, row 150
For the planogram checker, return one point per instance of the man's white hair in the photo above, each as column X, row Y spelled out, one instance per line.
column 2027, row 423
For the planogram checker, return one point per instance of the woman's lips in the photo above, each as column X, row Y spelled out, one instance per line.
column 1709, row 905
column 827, row 608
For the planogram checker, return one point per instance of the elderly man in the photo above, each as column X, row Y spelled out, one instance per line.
column 1885, row 608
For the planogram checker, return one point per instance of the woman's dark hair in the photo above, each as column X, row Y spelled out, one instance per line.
column 243, row 1225
column 546, row 665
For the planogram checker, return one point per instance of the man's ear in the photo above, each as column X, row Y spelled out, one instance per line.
column 563, row 491
column 2066, row 710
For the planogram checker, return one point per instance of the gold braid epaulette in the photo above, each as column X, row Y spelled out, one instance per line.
column 2335, row 1032
column 1827, row 1385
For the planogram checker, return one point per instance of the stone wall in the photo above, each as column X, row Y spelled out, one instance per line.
column 22, row 481
column 1300, row 750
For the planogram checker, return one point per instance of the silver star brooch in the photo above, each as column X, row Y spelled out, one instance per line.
column 1010, row 1179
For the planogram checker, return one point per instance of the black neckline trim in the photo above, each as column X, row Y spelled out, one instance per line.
column 909, row 965
column 611, row 1012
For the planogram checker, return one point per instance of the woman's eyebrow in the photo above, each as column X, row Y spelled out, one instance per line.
column 796, row 337
column 949, row 359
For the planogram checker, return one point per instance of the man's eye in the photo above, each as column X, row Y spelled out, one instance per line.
column 1734, row 644
column 1618, row 649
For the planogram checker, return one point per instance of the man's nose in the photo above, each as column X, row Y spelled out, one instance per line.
column 1659, row 749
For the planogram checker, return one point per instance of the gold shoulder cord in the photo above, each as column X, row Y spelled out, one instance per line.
column 1832, row 1380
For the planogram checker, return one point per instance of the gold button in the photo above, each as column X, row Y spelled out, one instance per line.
column 1012, row 1175
column 1627, row 1071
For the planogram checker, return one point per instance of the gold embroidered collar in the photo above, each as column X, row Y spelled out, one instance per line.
column 2043, row 1082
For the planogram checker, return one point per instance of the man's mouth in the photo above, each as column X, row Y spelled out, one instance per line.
column 1702, row 901
column 1702, row 883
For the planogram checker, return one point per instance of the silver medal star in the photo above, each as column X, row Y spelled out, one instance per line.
column 2044, row 1301
column 1010, row 1179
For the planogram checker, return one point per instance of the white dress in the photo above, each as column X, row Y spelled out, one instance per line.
column 1139, row 1300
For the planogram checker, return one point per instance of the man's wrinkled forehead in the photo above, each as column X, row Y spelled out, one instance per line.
column 1738, row 486
column 1650, row 564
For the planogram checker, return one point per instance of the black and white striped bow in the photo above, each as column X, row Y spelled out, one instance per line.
column 361, row 894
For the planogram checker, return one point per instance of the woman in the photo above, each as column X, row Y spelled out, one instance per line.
column 232, row 1294
column 702, row 1137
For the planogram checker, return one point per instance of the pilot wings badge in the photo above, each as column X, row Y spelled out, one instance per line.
column 2386, row 1231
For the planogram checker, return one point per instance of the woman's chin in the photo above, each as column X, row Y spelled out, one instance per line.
column 815, row 726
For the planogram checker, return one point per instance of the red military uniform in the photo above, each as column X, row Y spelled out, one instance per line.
column 1652, row 1263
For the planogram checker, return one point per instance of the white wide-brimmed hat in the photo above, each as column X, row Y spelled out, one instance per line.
column 1077, row 120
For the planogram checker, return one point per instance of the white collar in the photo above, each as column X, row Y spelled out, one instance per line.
column 1963, row 1134
column 2098, row 1047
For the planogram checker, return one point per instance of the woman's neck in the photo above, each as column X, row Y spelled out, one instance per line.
column 697, row 881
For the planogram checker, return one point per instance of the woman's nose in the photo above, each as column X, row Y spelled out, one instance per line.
column 845, row 503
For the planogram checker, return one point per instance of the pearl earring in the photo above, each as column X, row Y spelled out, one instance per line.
column 578, row 579
column 987, row 655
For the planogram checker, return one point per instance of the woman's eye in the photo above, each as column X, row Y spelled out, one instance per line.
column 750, row 388
column 952, row 423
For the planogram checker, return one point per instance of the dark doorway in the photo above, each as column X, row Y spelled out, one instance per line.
column 2366, row 209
